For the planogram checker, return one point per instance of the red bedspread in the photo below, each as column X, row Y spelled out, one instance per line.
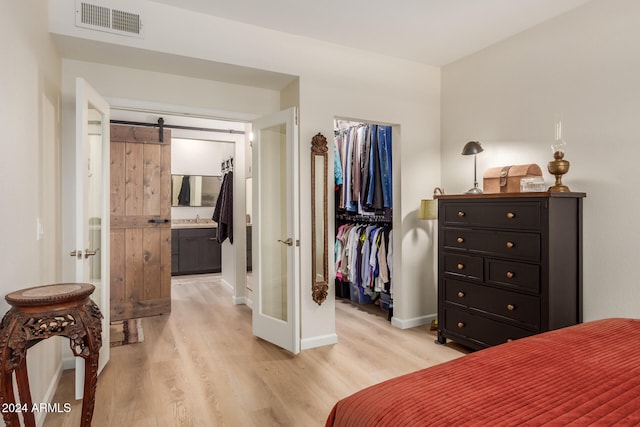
column 588, row 374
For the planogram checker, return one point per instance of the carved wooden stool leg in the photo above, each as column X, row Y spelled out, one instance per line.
column 10, row 417
column 90, row 384
column 91, row 319
column 7, row 396
column 24, row 392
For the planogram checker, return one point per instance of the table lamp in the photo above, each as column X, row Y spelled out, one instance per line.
column 473, row 147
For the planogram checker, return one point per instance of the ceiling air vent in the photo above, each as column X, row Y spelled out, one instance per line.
column 102, row 18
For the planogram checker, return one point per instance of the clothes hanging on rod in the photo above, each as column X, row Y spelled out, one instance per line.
column 364, row 168
column 223, row 211
column 364, row 235
column 363, row 256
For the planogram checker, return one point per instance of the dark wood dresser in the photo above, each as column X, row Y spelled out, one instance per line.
column 509, row 265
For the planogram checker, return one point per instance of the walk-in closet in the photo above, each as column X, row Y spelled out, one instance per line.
column 363, row 214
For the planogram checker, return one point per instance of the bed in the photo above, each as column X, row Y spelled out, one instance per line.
column 587, row 374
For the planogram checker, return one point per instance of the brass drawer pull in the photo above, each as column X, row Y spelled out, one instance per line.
column 510, row 245
column 461, row 325
column 461, row 214
column 460, row 240
column 511, row 215
column 510, row 274
column 511, row 307
column 460, row 266
column 460, row 294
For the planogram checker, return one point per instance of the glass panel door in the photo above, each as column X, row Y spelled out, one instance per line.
column 92, row 208
column 276, row 315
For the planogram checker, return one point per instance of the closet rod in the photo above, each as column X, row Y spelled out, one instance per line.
column 125, row 122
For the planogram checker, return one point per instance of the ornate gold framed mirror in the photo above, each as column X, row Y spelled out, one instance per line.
column 319, row 250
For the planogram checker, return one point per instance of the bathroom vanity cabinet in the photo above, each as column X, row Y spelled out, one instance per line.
column 195, row 250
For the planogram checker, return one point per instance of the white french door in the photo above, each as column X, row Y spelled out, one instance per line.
column 276, row 270
column 92, row 208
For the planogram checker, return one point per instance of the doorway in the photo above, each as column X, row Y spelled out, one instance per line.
column 363, row 213
column 200, row 146
column 277, row 139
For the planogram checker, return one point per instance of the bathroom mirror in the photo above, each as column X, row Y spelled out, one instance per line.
column 195, row 190
column 319, row 250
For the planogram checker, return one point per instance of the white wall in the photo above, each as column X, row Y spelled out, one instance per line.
column 583, row 68
column 198, row 157
column 30, row 169
column 364, row 86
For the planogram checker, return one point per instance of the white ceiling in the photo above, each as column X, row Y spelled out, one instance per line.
column 434, row 32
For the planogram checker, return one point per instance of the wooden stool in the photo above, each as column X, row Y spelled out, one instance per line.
column 38, row 313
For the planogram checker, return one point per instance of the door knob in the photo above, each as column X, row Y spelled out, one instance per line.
column 288, row 242
column 88, row 253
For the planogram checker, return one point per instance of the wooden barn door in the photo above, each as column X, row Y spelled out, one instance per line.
column 140, row 222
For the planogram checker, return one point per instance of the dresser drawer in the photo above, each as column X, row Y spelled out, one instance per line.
column 510, row 244
column 480, row 330
column 470, row 267
column 511, row 305
column 505, row 215
column 514, row 275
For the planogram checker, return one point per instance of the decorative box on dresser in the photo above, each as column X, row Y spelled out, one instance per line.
column 509, row 265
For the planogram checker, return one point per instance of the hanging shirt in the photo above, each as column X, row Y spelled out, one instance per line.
column 350, row 204
column 384, row 151
column 337, row 166
column 365, row 154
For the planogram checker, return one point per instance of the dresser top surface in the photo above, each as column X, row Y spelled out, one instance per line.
column 543, row 194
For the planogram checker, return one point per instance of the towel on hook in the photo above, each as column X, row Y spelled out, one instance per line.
column 223, row 212
column 184, row 197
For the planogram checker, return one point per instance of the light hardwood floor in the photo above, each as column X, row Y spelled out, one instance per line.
column 201, row 366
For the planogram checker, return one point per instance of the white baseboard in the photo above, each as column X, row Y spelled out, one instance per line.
column 68, row 362
column 320, row 341
column 412, row 323
column 227, row 284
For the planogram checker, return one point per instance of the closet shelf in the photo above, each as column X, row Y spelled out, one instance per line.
column 346, row 216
